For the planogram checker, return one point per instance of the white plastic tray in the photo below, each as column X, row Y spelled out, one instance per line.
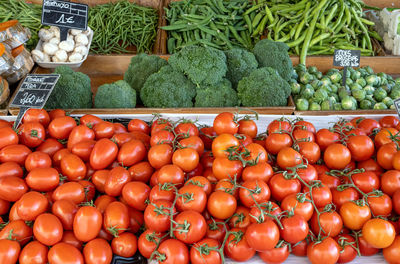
column 51, row 65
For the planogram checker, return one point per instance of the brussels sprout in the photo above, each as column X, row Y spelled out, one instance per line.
column 307, row 91
column 334, row 97
column 368, row 69
column 318, row 75
column 349, row 81
column 314, row 106
column 355, row 75
column 382, row 75
column 369, row 89
column 312, row 70
column 395, row 93
column 336, row 77
column 348, row 72
column 387, row 88
column 332, row 71
column 397, row 80
column 302, row 104
column 372, row 80
column 391, row 82
column 343, row 92
column 359, row 95
column 320, row 95
column 326, row 81
column 355, row 86
column 316, row 84
column 363, row 72
column 337, row 106
column 366, row 104
column 379, row 94
column 348, row 103
column 305, row 78
column 295, row 87
column 380, row 106
column 378, row 81
column 334, row 88
column 300, row 68
column 362, row 82
column 383, row 81
column 327, row 105
column 387, row 101
column 294, row 75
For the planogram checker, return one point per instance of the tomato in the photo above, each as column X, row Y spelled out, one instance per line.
column 186, row 129
column 16, row 153
column 321, row 195
column 354, row 216
column 48, row 229
column 87, row 223
column 36, row 115
column 370, row 165
column 339, row 196
column 326, row 251
column 228, row 187
column 380, row 204
column 201, row 182
column 259, row 192
column 295, row 228
column 116, row 180
column 261, row 171
column 4, row 207
column 154, row 220
column 162, row 137
column 11, row 169
column 390, row 182
column 396, row 201
column 308, row 174
column 160, row 155
column 278, row 126
column 366, row 181
column 275, row 255
column 288, row 157
column 237, row 247
column 104, row 130
column 9, row 251
column 138, row 125
column 103, row 154
column 191, row 197
column 162, row 192
column 193, row 142
column 131, row 152
column 116, row 218
column 300, row 249
column 187, row 159
column 70, row 238
column 361, row 147
column 136, row 220
column 65, row 210
column 369, row 125
column 59, row 155
column 325, row 137
column 194, row 231
column 142, row 137
column 248, row 127
column 221, row 205
column 146, row 242
column 282, row 187
column 160, row 124
column 103, row 201
column 301, row 135
column 56, row 113
column 337, row 156
column 37, row 159
column 171, row 174
column 125, row 245
column 12, row 188
column 135, row 194
column 224, row 168
column 385, row 155
column 173, row 251
column 61, row 127
column 97, row 251
column 34, row 252
column 141, row 171
column 8, row 137
column 83, row 149
column 347, row 252
column 78, row 134
column 330, row 222
column 50, row 146
column 207, row 134
column 13, row 214
column 384, row 136
column 389, row 121
column 73, row 167
column 31, row 134
column 72, row 191
column 378, row 233
column 277, row 141
column 392, row 253
column 31, row 204
column 216, row 229
column 222, row 143
column 65, row 253
column 365, row 248
column 309, row 151
column 241, row 218
column 299, row 205
column 269, row 207
column 225, row 123
column 207, row 256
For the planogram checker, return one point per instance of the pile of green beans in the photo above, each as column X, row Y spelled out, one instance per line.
column 29, row 15
column 311, row 27
column 120, row 25
column 213, row 23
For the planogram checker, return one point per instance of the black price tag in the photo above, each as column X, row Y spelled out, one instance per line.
column 65, row 15
column 33, row 93
column 137, row 259
column 397, row 105
column 346, row 58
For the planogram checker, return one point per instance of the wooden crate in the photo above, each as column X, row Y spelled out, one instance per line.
column 108, row 69
column 383, row 3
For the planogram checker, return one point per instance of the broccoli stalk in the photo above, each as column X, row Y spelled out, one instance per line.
column 115, row 95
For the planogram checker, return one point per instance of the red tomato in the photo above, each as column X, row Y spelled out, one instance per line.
column 73, row 167
column 308, row 174
column 32, row 134
column 65, row 210
column 8, row 137
column 11, row 169
column 309, row 151
column 37, row 159
column 48, row 229
column 248, row 127
column 378, row 233
column 277, row 141
column 103, row 154
column 389, row 121
column 365, row 248
column 4, row 207
column 209, row 256
column 275, row 255
column 191, row 197
column 196, row 229
column 278, row 126
column 19, row 230
column 173, row 251
column 64, row 253
column 83, row 149
column 87, row 223
column 241, row 218
column 138, row 125
column 72, row 191
column 97, row 251
column 69, row 238
column 385, row 155
column 78, row 134
column 369, row 125
column 299, row 205
column 288, row 157
column 384, row 136
column 125, row 245
column 225, row 123
column 327, row 251
column 116, row 180
column 34, row 252
column 36, row 115
column 396, row 201
column 347, row 251
column 141, row 171
column 31, row 204
column 370, row 165
column 237, row 247
column 392, row 253
column 216, row 229
column 12, row 188
column 361, row 147
column 160, row 155
column 390, row 182
column 321, row 195
column 50, row 146
column 260, row 192
column 261, row 171
column 186, row 129
column 339, row 196
column 131, row 153
column 330, row 222
column 170, row 174
column 146, row 242
column 9, row 251
column 56, row 113
column 221, row 205
column 187, row 159
column 104, row 130
column 135, row 194
column 325, row 137
column 221, row 143
column 58, row 156
column 337, row 156
column 162, row 192
column 295, row 229
column 354, row 216
column 263, row 236
column 116, row 218
column 61, row 127
column 282, row 187
column 224, row 168
column 154, row 220
column 300, row 249
column 16, row 153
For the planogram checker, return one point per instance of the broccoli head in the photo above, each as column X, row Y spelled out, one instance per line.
column 216, row 95
column 168, row 88
column 240, row 63
column 274, row 54
column 202, row 65
column 115, row 95
column 141, row 67
column 263, row 87
column 72, row 90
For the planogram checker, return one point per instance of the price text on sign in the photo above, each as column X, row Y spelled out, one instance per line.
column 64, row 14
column 35, row 90
column 347, row 58
column 397, row 105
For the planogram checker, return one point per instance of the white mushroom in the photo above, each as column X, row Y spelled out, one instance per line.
column 81, row 39
column 55, row 41
column 75, row 31
column 70, row 37
column 50, row 48
column 56, row 31
column 67, row 45
column 37, row 55
column 81, row 50
column 45, row 34
column 75, row 57
column 61, row 55
column 46, row 58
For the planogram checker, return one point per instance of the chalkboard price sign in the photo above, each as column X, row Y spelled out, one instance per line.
column 346, row 58
column 33, row 93
column 397, row 105
column 65, row 15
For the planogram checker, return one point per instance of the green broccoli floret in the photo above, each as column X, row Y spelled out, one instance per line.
column 141, row 67
column 217, row 95
column 168, row 88
column 202, row 65
column 115, row 95
column 240, row 63
column 263, row 87
column 274, row 54
column 72, row 90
